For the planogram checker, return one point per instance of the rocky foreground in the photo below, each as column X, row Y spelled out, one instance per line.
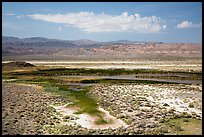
column 145, row 106
column 24, row 109
column 27, row 110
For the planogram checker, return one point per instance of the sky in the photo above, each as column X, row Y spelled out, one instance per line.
column 170, row 22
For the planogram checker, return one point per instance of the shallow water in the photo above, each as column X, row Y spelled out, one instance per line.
column 132, row 77
column 79, row 84
column 75, row 89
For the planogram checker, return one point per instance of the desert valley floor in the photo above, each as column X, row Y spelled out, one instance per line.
column 103, row 97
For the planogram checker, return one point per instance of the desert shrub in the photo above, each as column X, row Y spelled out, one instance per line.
column 190, row 105
column 185, row 115
column 165, row 104
column 171, row 110
column 178, row 128
column 185, row 120
column 164, row 120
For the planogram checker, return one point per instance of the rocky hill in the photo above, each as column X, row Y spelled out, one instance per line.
column 18, row 64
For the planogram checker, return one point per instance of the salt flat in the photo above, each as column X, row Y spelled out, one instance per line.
column 175, row 65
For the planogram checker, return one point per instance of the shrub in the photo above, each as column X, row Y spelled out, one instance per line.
column 165, row 104
column 66, row 117
column 185, row 120
column 178, row 128
column 164, row 120
column 190, row 105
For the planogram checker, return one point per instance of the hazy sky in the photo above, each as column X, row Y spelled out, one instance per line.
column 104, row 21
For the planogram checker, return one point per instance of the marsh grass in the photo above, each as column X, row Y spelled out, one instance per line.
column 109, row 72
column 106, row 80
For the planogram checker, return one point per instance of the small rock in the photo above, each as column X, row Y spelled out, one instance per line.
column 152, row 125
column 141, row 125
column 130, row 110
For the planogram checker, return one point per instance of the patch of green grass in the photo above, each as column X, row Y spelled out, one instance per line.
column 51, row 89
column 63, row 87
column 9, row 77
column 184, row 126
column 101, row 121
column 84, row 102
column 185, row 120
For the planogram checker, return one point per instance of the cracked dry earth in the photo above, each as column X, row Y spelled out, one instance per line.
column 27, row 110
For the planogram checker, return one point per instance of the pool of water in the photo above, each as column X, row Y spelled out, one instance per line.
column 75, row 89
column 132, row 77
column 79, row 84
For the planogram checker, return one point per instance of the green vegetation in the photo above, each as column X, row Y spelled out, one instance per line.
column 66, row 71
column 175, row 77
column 166, row 105
column 118, row 81
column 81, row 99
column 97, row 72
column 190, row 105
column 183, row 126
column 101, row 121
column 185, row 120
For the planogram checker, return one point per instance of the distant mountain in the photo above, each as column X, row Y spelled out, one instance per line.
column 122, row 42
column 10, row 39
column 38, row 39
column 120, row 48
column 84, row 42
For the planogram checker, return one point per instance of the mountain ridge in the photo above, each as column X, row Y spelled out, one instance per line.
column 83, row 47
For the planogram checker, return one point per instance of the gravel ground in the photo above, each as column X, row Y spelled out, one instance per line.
column 24, row 109
column 144, row 106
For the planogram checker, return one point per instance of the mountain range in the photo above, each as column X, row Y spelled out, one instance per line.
column 121, row 48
